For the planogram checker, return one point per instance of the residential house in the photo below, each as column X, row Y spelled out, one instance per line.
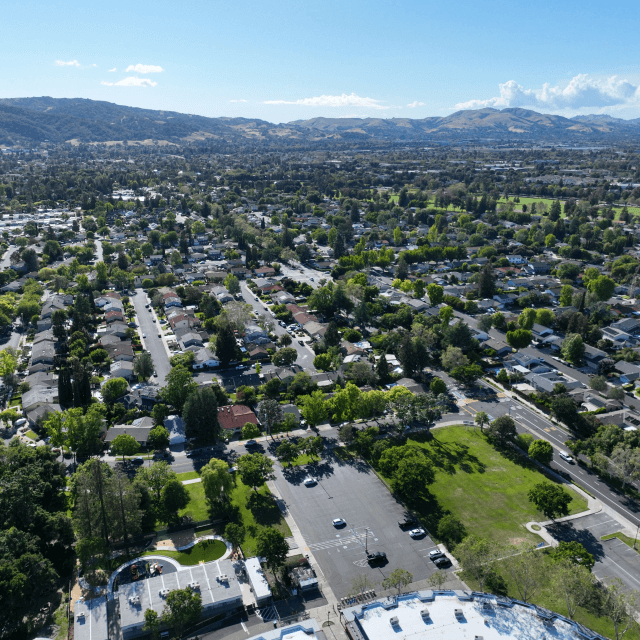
column 233, row 417
column 540, row 331
column 628, row 371
column 120, row 351
column 204, row 358
column 122, row 369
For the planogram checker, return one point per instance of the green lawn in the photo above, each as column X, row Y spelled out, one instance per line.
column 32, row 435
column 188, row 475
column 482, row 487
column 204, row 551
column 546, row 597
column 303, row 459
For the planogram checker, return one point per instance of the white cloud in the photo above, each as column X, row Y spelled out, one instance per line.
column 70, row 63
column 112, row 70
column 582, row 92
column 343, row 100
column 415, row 104
column 238, row 100
column 144, row 68
column 131, row 82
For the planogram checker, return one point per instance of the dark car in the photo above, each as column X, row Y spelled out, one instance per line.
column 442, row 562
column 138, row 460
column 407, row 522
column 376, row 557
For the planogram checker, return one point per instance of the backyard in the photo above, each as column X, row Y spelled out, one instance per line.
column 482, row 487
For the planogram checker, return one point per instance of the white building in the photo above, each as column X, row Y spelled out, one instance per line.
column 259, row 584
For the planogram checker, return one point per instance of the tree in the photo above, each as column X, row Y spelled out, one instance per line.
column 526, row 570
column 232, row 283
column 598, row 383
column 485, row 323
column 437, row 580
column 113, row 389
column 481, row 419
column 619, row 604
column 287, row 452
column 467, row 374
column 435, row 293
column 573, row 552
column 602, row 287
column 152, row 624
column 183, row 608
column 270, row 413
column 476, row 556
column 527, row 318
column 398, row 579
column 501, row 431
column 412, row 475
column 574, row 583
column 143, row 366
column 541, row 451
column 156, row 477
column 323, row 362
column 625, row 464
column 573, row 348
column 486, row 282
column 250, row 430
column 174, row 497
column 216, row 480
column 409, row 357
column 158, row 438
column 438, row 386
column 347, row 433
column 452, row 358
column 552, row 500
column 225, row 344
column 451, row 530
column 200, row 414
column 331, row 336
column 235, row 534
column 159, row 413
column 271, row 545
column 519, row 338
column 284, row 357
column 314, row 408
column 566, row 295
column 125, row 445
column 361, row 584
column 255, row 469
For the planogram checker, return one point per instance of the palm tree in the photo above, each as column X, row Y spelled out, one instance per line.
column 481, row 420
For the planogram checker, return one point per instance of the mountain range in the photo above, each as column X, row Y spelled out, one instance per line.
column 28, row 121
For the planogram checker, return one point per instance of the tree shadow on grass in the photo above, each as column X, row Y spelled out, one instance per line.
column 446, row 456
column 565, row 531
column 264, row 509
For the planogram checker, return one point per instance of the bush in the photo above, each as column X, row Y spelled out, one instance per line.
column 524, row 441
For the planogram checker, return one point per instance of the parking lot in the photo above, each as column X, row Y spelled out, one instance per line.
column 614, row 559
column 353, row 492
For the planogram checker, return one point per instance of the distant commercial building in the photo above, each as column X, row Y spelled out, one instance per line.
column 91, row 620
column 461, row 615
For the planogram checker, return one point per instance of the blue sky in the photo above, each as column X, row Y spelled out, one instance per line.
column 285, row 60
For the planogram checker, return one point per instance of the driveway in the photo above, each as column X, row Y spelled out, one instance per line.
column 154, row 345
column 614, row 559
column 353, row 492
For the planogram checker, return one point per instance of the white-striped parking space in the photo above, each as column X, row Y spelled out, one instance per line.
column 357, row 540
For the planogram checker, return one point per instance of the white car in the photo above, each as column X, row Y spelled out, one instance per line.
column 144, row 335
column 417, row 533
column 565, row 456
column 309, row 482
column 338, row 522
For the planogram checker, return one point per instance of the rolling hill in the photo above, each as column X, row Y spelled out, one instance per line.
column 34, row 120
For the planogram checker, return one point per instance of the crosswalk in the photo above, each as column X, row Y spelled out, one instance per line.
column 267, row 614
column 358, row 539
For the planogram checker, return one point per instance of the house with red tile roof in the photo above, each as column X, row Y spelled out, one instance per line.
column 233, row 417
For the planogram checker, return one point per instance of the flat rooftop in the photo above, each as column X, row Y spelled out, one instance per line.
column 136, row 597
column 304, row 630
column 428, row 615
column 261, row 587
column 91, row 620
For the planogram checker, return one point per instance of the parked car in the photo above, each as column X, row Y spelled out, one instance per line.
column 417, row 533
column 377, row 557
column 407, row 522
column 309, row 482
column 435, row 554
column 250, row 443
column 442, row 562
column 138, row 460
column 338, row 522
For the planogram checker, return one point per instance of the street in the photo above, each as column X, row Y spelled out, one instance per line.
column 305, row 354
column 152, row 343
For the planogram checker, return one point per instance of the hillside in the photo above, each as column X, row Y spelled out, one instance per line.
column 34, row 120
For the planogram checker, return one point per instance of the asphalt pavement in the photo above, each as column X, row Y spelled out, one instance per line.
column 305, row 353
column 152, row 343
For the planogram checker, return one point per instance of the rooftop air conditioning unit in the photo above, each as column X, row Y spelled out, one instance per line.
column 425, row 614
column 394, row 622
column 223, row 578
column 194, row 585
column 81, row 615
column 134, row 599
column 458, row 613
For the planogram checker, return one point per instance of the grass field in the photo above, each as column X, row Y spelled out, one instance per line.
column 32, row 435
column 188, row 475
column 482, row 487
column 249, row 508
column 205, row 551
column 546, row 597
